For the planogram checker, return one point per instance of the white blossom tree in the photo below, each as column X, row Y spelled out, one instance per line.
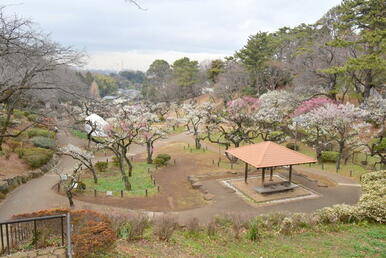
column 234, row 124
column 150, row 133
column 70, row 182
column 273, row 113
column 340, row 123
column 195, row 119
column 82, row 156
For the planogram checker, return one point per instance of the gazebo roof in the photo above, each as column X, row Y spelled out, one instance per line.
column 269, row 154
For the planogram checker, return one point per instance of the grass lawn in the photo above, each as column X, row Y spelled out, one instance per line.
column 340, row 241
column 178, row 129
column 78, row 133
column 111, row 180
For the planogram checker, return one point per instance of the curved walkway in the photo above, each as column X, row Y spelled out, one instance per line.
column 37, row 194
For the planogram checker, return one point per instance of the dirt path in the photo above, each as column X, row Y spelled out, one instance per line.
column 37, row 194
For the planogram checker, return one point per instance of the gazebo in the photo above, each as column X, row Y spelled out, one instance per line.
column 269, row 155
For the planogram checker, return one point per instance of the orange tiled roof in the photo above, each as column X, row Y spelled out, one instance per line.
column 269, row 154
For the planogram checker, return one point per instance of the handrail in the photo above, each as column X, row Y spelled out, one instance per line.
column 33, row 219
column 12, row 232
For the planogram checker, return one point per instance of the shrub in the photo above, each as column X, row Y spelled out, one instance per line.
column 115, row 161
column 193, row 226
column 35, row 157
column 286, row 226
column 212, row 228
column 32, row 117
column 134, row 228
column 253, row 231
column 237, row 225
column 329, row 156
column 2, row 196
column 101, row 166
column 164, row 156
column 43, row 142
column 13, row 145
column 292, row 146
column 92, row 232
column 162, row 160
column 81, row 186
column 165, row 227
column 372, row 202
column 40, row 132
column 18, row 114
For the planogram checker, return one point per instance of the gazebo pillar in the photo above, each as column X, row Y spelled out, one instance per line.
column 290, row 174
column 270, row 176
column 263, row 176
column 246, row 173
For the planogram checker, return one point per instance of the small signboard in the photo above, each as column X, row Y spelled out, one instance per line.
column 109, row 193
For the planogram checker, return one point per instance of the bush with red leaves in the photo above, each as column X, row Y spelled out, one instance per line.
column 92, row 231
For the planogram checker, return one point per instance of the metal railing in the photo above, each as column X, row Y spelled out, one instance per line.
column 19, row 233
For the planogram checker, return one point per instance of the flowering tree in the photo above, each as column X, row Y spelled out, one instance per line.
column 195, row 119
column 161, row 109
column 234, row 124
column 340, row 123
column 311, row 104
column 122, row 131
column 273, row 112
column 151, row 133
column 375, row 141
column 70, row 182
column 82, row 156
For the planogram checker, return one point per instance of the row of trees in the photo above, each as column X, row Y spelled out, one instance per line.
column 280, row 115
column 340, row 56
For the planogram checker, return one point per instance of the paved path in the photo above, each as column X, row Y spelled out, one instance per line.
column 37, row 194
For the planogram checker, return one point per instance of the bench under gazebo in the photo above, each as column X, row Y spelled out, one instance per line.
column 267, row 156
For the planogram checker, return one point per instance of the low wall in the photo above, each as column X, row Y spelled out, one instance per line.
column 9, row 184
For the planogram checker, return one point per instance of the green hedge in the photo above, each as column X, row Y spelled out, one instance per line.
column 101, row 166
column 43, row 142
column 35, row 157
column 162, row 159
column 329, row 156
column 292, row 146
column 40, row 132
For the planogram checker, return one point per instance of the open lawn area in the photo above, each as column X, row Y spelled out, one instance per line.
column 366, row 240
column 111, row 180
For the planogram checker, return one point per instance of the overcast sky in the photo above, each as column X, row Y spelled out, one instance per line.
column 116, row 35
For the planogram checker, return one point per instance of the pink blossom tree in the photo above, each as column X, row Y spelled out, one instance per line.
column 311, row 104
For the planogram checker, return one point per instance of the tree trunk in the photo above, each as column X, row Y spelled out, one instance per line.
column 368, row 84
column 341, row 148
column 197, row 142
column 92, row 169
column 125, row 179
column 69, row 196
column 128, row 162
column 149, row 149
column 5, row 127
